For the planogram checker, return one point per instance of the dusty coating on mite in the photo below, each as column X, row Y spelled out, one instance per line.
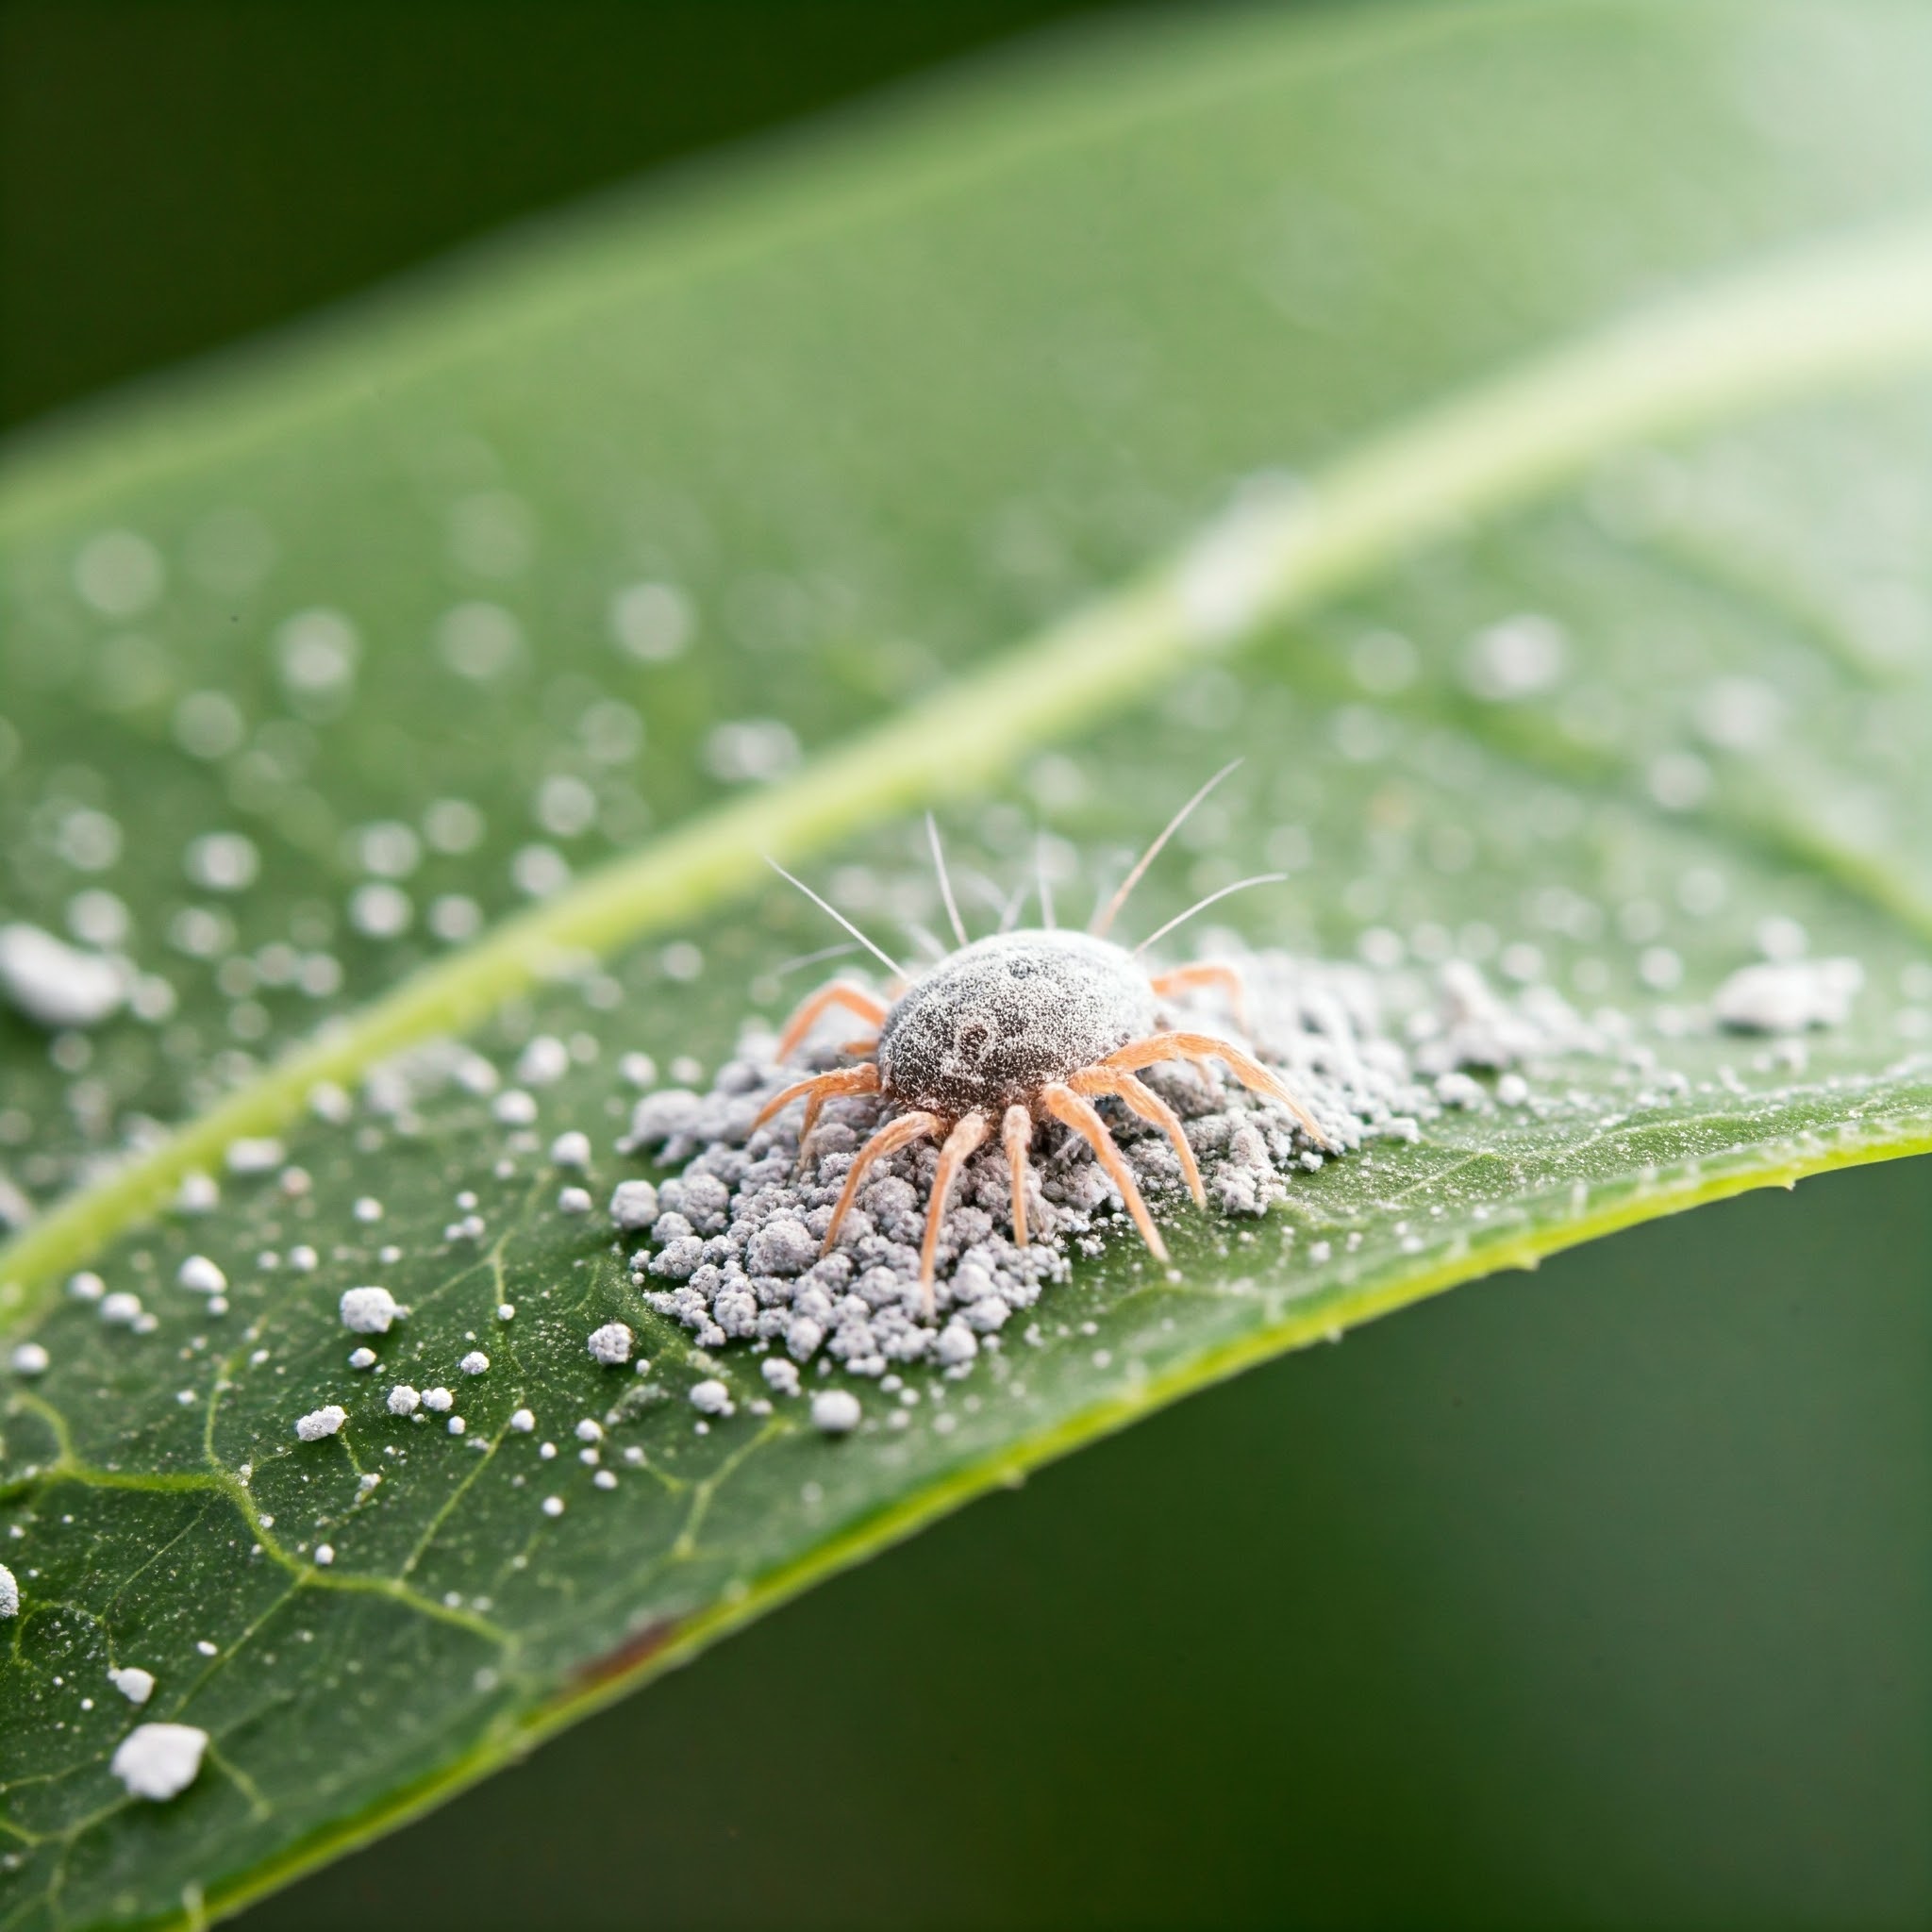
column 1004, row 1017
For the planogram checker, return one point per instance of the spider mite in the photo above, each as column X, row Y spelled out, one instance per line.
column 1016, row 1029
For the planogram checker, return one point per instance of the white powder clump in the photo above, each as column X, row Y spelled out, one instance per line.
column 368, row 1311
column 571, row 1150
column 133, row 1683
column 781, row 1376
column 361, row 1358
column 402, row 1400
column 441, row 1400
column 322, row 1421
column 87, row 1286
column 523, row 1422
column 710, row 1398
column 9, row 1592
column 573, row 1201
column 54, row 984
column 475, row 1363
column 120, row 1309
column 835, row 1410
column 634, row 1205
column 543, row 1061
column 611, row 1344
column 1788, row 995
column 160, row 1761
column 201, row 1275
column 30, row 1358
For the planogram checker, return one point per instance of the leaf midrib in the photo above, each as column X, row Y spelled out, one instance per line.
column 1813, row 321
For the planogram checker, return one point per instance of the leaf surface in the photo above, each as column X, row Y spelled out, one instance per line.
column 1588, row 640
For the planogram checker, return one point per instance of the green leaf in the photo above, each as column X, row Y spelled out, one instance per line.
column 1608, row 325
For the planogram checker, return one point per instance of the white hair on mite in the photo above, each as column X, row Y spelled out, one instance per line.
column 1017, row 1029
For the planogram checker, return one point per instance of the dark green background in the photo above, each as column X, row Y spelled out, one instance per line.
column 1594, row 1598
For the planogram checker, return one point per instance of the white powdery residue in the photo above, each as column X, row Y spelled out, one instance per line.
column 254, row 1155
column 87, row 1286
column 368, row 1311
column 634, row 1205
column 611, row 1344
column 322, row 1421
column 505, row 1312
column 201, row 1275
column 133, row 1683
column 710, row 1398
column 475, row 1363
column 836, row 1411
column 9, row 1592
column 325, row 1554
column 1788, row 995
column 402, row 1400
column 30, row 1358
column 515, row 1108
column 199, row 1193
column 781, row 1376
column 523, row 1422
column 120, row 1309
column 553, row 1506
column 160, row 1761
column 54, row 984
column 361, row 1358
column 573, row 1201
column 544, row 1062
column 440, row 1400
column 589, row 1430
column 571, row 1150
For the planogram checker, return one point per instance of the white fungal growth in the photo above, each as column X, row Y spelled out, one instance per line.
column 589, row 1430
column 160, row 1761
column 30, row 1358
column 611, row 1344
column 54, row 984
column 553, row 1506
column 9, row 1592
column 368, row 1311
column 402, row 1400
column 634, row 1204
column 571, row 1150
column 198, row 1273
column 781, row 1376
column 710, row 1398
column 120, row 1309
column 440, row 1400
column 523, row 1422
column 475, row 1363
column 133, row 1683
column 86, row 1286
column 1788, row 995
column 361, row 1358
column 835, row 1410
column 321, row 1421
column 325, row 1554
column 515, row 1108
column 544, row 1062
column 573, row 1201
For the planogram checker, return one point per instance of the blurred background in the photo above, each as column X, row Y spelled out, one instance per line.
column 1597, row 1597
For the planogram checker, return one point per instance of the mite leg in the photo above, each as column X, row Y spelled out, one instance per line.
column 958, row 1145
column 838, row 992
column 1016, row 1132
column 889, row 1139
column 1205, row 1046
column 1067, row 1105
column 1208, row 973
column 1151, row 1108
column 816, row 1091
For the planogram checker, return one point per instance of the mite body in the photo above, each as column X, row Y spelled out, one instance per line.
column 1012, row 1031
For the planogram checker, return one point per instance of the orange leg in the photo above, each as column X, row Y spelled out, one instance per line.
column 889, row 1139
column 958, row 1145
column 838, row 992
column 1067, row 1105
column 1183, row 979
column 816, row 1091
column 1204, row 1046
column 1151, row 1108
column 1016, row 1131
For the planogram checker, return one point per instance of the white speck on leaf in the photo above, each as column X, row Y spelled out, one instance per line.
column 611, row 1344
column 133, row 1683
column 835, row 1410
column 368, row 1311
column 160, row 1761
column 402, row 1400
column 322, row 1421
